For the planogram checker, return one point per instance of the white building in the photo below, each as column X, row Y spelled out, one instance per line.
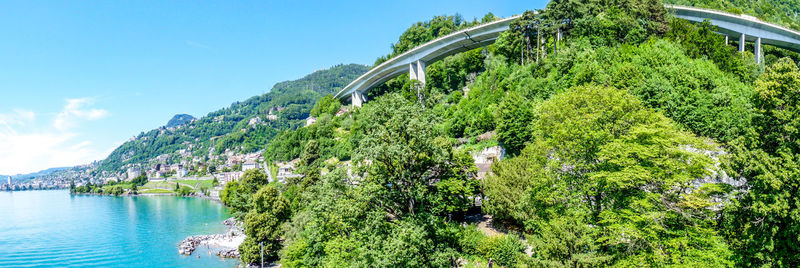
column 254, row 120
column 310, row 120
column 249, row 165
column 134, row 172
column 182, row 172
column 230, row 176
column 485, row 158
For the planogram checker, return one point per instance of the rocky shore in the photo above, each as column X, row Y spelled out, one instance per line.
column 224, row 245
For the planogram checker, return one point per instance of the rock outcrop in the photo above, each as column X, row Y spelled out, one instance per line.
column 226, row 245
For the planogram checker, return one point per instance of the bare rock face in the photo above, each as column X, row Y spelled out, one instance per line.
column 230, row 222
column 228, row 253
column 716, row 174
column 188, row 245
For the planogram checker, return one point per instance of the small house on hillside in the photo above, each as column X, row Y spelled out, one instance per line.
column 310, row 120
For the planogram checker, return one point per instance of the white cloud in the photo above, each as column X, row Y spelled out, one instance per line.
column 75, row 110
column 17, row 117
column 28, row 145
column 30, row 152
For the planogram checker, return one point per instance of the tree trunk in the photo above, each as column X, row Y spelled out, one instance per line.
column 538, row 42
column 527, row 46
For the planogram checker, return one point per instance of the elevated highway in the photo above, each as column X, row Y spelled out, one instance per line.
column 746, row 28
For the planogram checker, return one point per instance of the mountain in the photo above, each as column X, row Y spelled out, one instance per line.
column 179, row 120
column 45, row 172
column 243, row 127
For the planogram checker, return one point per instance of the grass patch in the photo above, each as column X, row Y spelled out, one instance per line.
column 156, row 191
column 159, row 185
column 122, row 185
column 196, row 183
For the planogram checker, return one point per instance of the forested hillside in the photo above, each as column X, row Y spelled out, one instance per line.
column 230, row 128
column 637, row 140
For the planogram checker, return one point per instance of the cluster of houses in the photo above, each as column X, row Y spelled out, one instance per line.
column 34, row 184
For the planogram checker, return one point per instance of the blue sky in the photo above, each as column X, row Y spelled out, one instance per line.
column 78, row 78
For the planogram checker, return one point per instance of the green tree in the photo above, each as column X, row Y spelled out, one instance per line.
column 406, row 155
column 514, row 118
column 602, row 159
column 310, row 163
column 262, row 224
column 777, row 103
column 327, row 105
column 763, row 223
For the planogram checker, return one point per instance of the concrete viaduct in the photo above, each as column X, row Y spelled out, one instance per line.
column 745, row 28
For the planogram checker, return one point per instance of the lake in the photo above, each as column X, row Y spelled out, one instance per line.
column 54, row 228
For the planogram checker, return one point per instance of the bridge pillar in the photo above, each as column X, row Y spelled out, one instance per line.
column 416, row 71
column 741, row 43
column 757, row 51
column 358, row 98
column 726, row 40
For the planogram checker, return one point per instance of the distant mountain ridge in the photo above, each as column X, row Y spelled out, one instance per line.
column 32, row 175
column 284, row 107
column 179, row 120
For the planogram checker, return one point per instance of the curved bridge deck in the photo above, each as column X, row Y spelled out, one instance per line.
column 429, row 52
column 747, row 28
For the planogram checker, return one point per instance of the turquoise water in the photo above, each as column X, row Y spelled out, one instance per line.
column 54, row 228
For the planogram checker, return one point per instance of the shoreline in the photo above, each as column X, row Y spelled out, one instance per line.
column 225, row 245
column 153, row 194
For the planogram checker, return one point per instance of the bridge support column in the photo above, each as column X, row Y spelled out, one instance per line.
column 726, row 40
column 757, row 51
column 358, row 98
column 416, row 71
column 741, row 43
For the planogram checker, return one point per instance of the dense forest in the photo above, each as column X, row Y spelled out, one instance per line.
column 636, row 140
column 229, row 128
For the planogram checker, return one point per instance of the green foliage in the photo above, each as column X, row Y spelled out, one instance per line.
column 702, row 41
column 115, row 190
column 778, row 105
column 692, row 92
column 603, row 23
column 237, row 194
column 609, row 22
column 310, row 163
column 326, row 105
column 601, row 158
column 139, row 180
column 407, row 155
column 223, row 129
column 763, row 223
column 503, row 250
column 514, row 118
column 268, row 210
column 453, row 73
column 185, row 191
column 603, row 170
